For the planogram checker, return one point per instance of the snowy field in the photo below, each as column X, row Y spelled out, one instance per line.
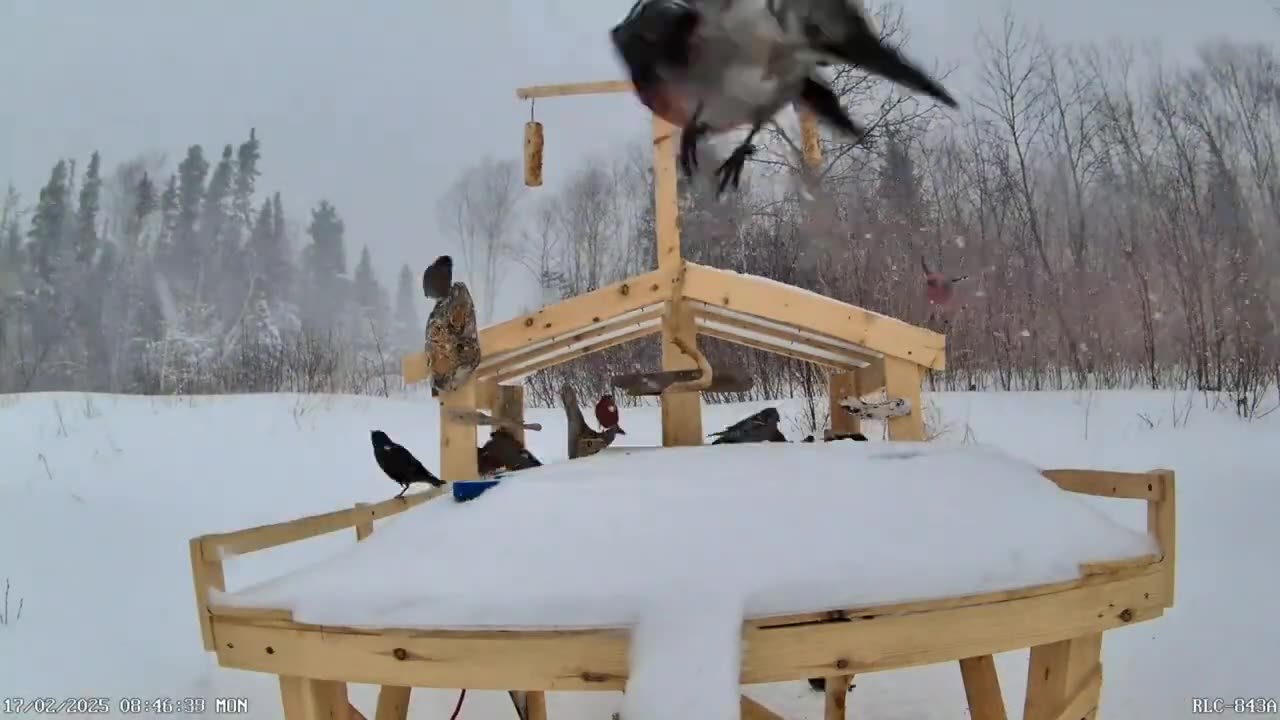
column 99, row 495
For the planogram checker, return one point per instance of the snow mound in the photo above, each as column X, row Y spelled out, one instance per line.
column 664, row 540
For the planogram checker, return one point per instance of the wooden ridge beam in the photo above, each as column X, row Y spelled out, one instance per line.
column 793, row 306
column 601, row 87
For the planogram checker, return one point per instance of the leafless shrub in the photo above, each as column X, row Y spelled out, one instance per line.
column 7, row 618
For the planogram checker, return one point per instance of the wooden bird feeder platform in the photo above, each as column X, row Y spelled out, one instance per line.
column 679, row 300
column 1062, row 624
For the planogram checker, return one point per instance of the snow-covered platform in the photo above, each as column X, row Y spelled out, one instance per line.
column 640, row 568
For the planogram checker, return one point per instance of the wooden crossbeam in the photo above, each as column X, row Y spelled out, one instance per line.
column 603, row 87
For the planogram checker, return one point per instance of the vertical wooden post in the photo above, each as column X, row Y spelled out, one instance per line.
column 307, row 699
column 364, row 528
column 508, row 404
column 982, row 688
column 1064, row 680
column 837, row 694
column 681, row 412
column 393, row 703
column 809, row 144
column 840, row 386
column 902, row 379
column 207, row 573
column 458, row 439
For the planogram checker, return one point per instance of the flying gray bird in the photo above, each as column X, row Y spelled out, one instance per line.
column 710, row 66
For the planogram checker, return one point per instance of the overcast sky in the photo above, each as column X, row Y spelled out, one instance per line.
column 377, row 105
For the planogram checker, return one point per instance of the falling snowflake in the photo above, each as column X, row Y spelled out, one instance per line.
column 959, row 241
column 1025, row 333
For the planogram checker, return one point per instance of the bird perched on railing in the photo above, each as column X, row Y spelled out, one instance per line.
column 452, row 340
column 503, row 451
column 583, row 439
column 709, row 66
column 399, row 464
column 607, row 413
column 757, row 427
column 940, row 290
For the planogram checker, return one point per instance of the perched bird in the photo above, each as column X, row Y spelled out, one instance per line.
column 939, row 288
column 503, row 451
column 758, row 427
column 807, row 439
column 399, row 464
column 583, row 439
column 709, row 66
column 607, row 413
column 453, row 342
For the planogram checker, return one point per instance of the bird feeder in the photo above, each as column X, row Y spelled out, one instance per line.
column 532, row 151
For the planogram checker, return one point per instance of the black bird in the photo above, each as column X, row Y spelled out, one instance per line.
column 399, row 464
column 437, row 278
column 758, row 427
column 710, row 66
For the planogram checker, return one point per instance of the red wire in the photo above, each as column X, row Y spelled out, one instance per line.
column 458, row 708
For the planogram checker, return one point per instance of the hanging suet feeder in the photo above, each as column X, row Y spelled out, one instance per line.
column 532, row 151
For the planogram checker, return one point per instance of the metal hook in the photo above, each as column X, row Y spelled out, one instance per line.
column 532, row 102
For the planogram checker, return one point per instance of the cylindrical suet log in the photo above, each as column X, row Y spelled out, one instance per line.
column 533, row 153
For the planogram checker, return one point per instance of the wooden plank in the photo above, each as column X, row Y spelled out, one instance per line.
column 597, row 660
column 681, row 412
column 262, row 537
column 308, row 699
column 1107, row 567
column 871, row 377
column 788, row 338
column 581, row 351
column 544, row 351
column 206, row 572
column 982, row 688
column 655, row 383
column 457, row 439
column 393, row 702
column 841, row 385
column 415, row 367
column 1084, row 703
column 902, row 380
column 1162, row 518
column 1055, row 674
column 792, row 306
column 509, row 405
column 836, row 695
column 785, row 351
column 577, row 313
column 1105, row 483
column 603, row 87
column 364, row 528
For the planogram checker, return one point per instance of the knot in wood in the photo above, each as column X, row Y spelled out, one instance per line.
column 528, row 322
column 1126, row 615
column 271, row 650
column 842, row 664
column 400, row 654
column 625, row 289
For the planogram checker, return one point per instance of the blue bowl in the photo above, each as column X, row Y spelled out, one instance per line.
column 465, row 490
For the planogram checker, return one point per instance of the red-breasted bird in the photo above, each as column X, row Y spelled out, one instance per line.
column 709, row 66
column 607, row 413
column 584, row 440
column 940, row 290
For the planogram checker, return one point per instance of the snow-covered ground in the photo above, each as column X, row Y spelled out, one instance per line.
column 99, row 494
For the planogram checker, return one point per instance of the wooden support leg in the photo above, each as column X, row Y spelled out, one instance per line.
column 1064, row 680
column 307, row 699
column 982, row 688
column 531, row 704
column 837, row 693
column 840, row 386
column 508, row 404
column 681, row 412
column 457, row 439
column 902, row 380
column 393, row 703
